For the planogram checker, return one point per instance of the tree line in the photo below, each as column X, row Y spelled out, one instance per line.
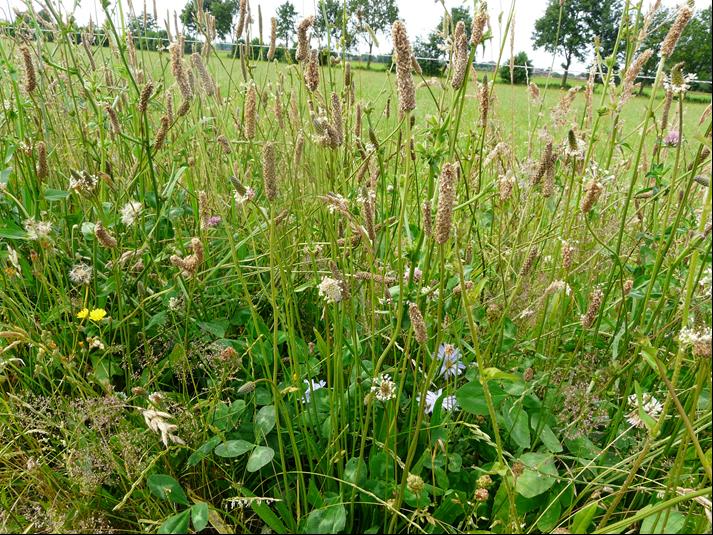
column 570, row 29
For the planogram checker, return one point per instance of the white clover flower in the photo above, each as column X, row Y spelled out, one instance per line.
column 241, row 199
column 331, row 290
column 699, row 340
column 384, row 388
column 130, row 212
column 650, row 405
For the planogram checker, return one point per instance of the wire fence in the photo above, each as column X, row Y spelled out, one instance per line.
column 379, row 58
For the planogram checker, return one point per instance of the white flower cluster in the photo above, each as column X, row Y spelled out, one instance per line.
column 156, row 422
column 384, row 388
column 37, row 230
column 130, row 213
column 331, row 290
column 682, row 86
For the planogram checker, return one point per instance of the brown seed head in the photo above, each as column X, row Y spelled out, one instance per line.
column 674, row 33
column 103, row 236
column 312, row 71
column 419, row 326
column 303, row 38
column 268, row 170
column 273, row 39
column 446, row 200
column 404, row 80
column 30, row 76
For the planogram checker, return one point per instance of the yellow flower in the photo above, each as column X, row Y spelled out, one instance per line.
column 82, row 314
column 97, row 314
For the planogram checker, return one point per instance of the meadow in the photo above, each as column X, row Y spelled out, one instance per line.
column 246, row 296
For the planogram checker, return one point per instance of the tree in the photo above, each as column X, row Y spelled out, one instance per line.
column 575, row 32
column 373, row 17
column 222, row 10
column 693, row 48
column 286, row 16
column 520, row 75
column 330, row 20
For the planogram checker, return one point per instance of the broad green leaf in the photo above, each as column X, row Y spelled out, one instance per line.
column 199, row 516
column 520, row 432
column 584, row 518
column 260, row 456
column 355, row 471
column 664, row 522
column 330, row 519
column 203, row 451
column 233, row 448
column 549, row 439
column 53, row 195
column 177, row 523
column 539, row 475
column 548, row 519
column 166, row 487
column 264, row 421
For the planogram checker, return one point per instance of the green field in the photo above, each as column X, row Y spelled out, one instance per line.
column 279, row 307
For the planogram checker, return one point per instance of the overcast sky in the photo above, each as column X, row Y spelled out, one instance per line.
column 420, row 16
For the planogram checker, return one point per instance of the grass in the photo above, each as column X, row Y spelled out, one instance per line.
column 236, row 319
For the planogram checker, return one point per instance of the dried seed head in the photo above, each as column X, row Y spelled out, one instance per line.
column 273, row 39
column 206, row 79
column 303, row 38
column 161, row 134
column 337, row 120
column 532, row 257
column 42, row 169
column 595, row 302
column 250, row 112
column 628, row 285
column 505, row 185
column 247, row 387
column 533, row 91
column 179, row 72
column 404, row 81
column 484, row 98
column 113, row 119
column 224, row 144
column 30, row 76
column 419, row 326
column 567, row 255
column 479, row 25
column 427, row 219
column 593, row 191
column 674, row 33
column 268, row 170
column 103, row 236
column 146, row 92
column 460, row 55
column 546, row 161
column 189, row 264
column 312, row 71
column 446, row 200
column 242, row 12
column 357, row 121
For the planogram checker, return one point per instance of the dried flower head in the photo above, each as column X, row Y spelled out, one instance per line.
column 312, row 71
column 331, row 290
column 303, row 38
column 460, row 55
column 595, row 302
column 81, row 274
column 446, row 201
column 418, row 324
column 103, row 236
column 268, row 170
column 404, row 80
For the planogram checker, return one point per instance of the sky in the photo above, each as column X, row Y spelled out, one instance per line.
column 420, row 16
